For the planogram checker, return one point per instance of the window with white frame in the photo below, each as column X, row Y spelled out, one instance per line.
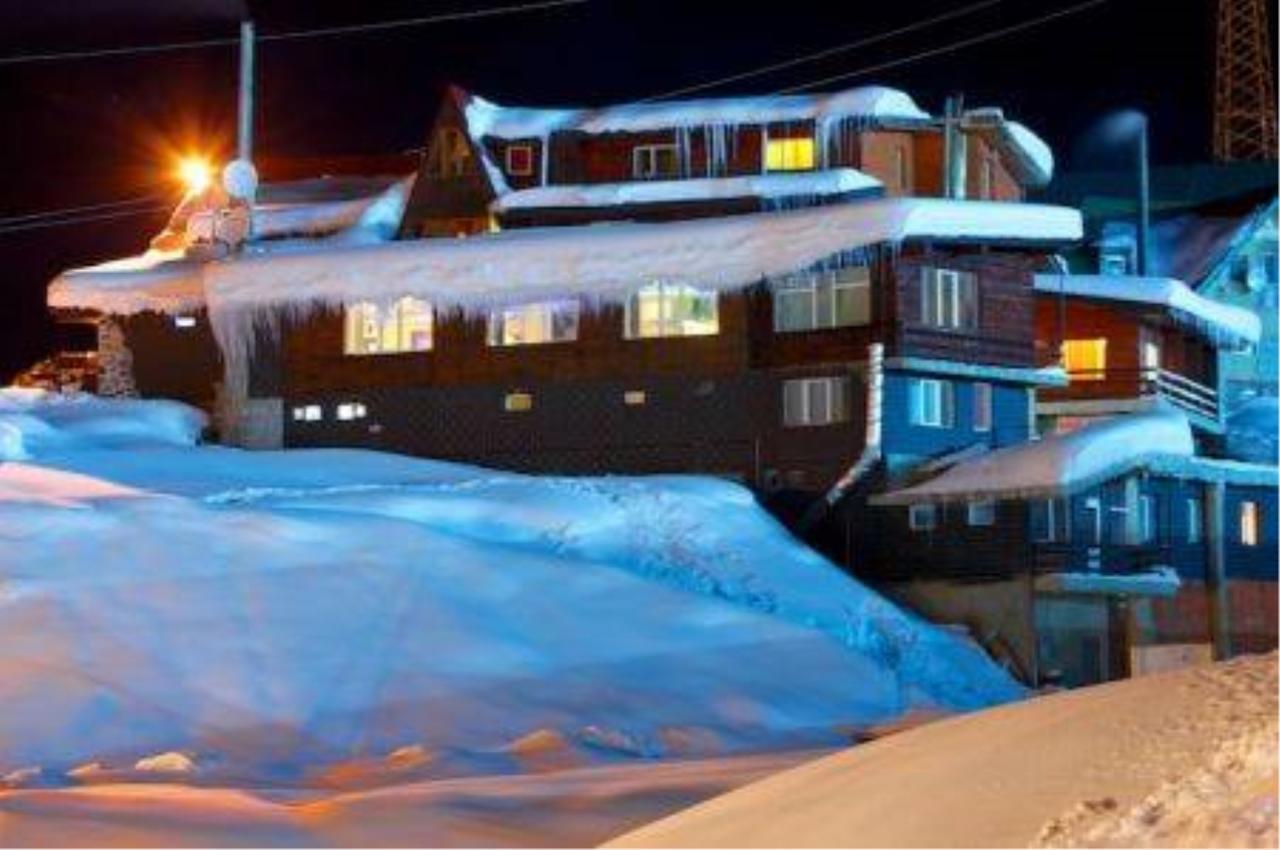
column 827, row 299
column 1195, row 519
column 922, row 517
column 932, row 403
column 1147, row 518
column 902, row 169
column 1049, row 519
column 808, row 402
column 655, row 162
column 534, row 324
column 981, row 406
column 403, row 326
column 519, row 158
column 982, row 512
column 668, row 309
column 948, row 298
column 1250, row 523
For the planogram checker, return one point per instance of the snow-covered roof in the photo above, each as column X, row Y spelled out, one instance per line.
column 831, row 182
column 375, row 214
column 1226, row 325
column 488, row 119
column 1033, row 158
column 1059, row 464
column 163, row 281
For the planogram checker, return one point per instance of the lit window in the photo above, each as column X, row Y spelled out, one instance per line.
column 655, row 162
column 932, row 403
column 518, row 402
column 1148, row 350
column 948, row 298
column 1195, row 520
column 987, row 186
column 981, row 407
column 634, row 398
column 828, row 299
column 520, row 160
column 1250, row 523
column 449, row 154
column 668, row 309
column 1114, row 263
column 901, row 169
column 1085, row 359
column 982, row 512
column 352, row 410
column 373, row 329
column 795, row 154
column 922, row 517
column 808, row 402
column 184, row 322
column 308, row 413
column 533, row 324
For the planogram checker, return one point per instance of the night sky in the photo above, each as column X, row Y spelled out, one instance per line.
column 90, row 131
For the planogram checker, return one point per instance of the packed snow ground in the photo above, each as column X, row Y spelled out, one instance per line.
column 277, row 619
column 1184, row 759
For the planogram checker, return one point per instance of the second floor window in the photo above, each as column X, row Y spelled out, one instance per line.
column 815, row 401
column 1147, row 519
column 1250, row 523
column 534, row 324
column 948, row 298
column 667, row 309
column 1085, row 359
column 932, row 403
column 404, row 326
column 520, row 160
column 982, row 407
column 1195, row 519
column 794, row 154
column 830, row 299
column 655, row 162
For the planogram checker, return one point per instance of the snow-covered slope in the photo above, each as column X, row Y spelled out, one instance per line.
column 259, row 615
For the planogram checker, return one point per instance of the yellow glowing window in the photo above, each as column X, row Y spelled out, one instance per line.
column 381, row 329
column 1250, row 523
column 1085, row 359
column 789, row 154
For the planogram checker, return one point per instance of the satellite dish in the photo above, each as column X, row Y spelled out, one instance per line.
column 240, row 179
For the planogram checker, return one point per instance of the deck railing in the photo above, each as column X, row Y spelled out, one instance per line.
column 1189, row 394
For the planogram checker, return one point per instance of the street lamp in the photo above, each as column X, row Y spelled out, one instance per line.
column 196, row 174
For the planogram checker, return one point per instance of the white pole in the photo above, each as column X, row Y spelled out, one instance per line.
column 244, row 148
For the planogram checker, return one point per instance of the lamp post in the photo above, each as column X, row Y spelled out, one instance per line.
column 1130, row 126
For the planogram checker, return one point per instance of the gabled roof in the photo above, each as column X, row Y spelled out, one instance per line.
column 1224, row 325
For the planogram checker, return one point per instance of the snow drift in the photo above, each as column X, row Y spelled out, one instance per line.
column 263, row 614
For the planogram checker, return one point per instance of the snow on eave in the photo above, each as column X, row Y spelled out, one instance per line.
column 832, row 182
column 486, row 119
column 1032, row 155
column 160, row 281
column 1223, row 324
column 1060, row 464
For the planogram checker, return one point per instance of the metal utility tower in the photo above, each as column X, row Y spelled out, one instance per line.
column 1244, row 104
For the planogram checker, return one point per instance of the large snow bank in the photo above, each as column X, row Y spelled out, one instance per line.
column 35, row 422
column 1059, row 464
column 1229, row 326
column 836, row 181
column 1252, row 431
column 264, row 613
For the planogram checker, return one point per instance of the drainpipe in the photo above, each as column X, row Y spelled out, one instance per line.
column 1215, row 538
column 954, row 149
column 871, row 448
column 1144, row 198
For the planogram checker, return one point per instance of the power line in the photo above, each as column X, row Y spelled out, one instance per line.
column 320, row 32
column 12, row 219
column 37, row 225
column 947, row 48
column 823, row 54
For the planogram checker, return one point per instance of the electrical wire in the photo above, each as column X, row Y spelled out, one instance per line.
column 320, row 32
column 62, row 222
column 65, row 211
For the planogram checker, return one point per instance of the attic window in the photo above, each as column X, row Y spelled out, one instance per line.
column 520, row 160
column 450, row 154
column 655, row 162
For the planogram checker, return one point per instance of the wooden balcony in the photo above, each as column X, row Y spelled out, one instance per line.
column 1198, row 400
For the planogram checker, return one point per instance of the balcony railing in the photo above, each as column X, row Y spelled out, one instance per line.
column 1188, row 394
column 1105, row 558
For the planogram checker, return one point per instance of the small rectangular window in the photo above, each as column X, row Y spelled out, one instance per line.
column 982, row 512
column 308, row 413
column 520, row 160
column 668, row 309
column 351, row 410
column 1195, row 519
column 655, row 162
column 790, row 154
column 932, row 403
column 517, row 402
column 635, row 398
column 808, row 402
column 827, row 299
column 1250, row 523
column 1049, row 519
column 982, row 407
column 184, row 322
column 948, row 298
column 534, row 324
column 1147, row 519
column 1085, row 359
column 922, row 517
